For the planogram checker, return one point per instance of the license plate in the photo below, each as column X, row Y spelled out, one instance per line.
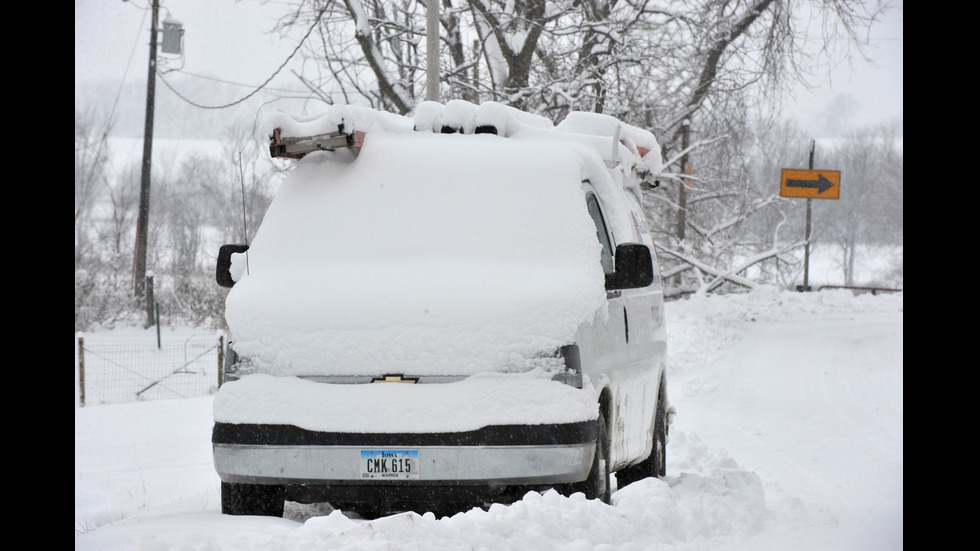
column 390, row 464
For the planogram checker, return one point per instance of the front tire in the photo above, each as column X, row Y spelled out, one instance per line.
column 660, row 441
column 252, row 499
column 597, row 485
column 656, row 464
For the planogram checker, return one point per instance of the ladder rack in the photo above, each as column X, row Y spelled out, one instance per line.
column 298, row 147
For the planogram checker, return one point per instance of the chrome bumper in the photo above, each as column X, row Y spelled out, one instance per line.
column 494, row 465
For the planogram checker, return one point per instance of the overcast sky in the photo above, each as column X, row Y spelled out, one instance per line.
column 231, row 40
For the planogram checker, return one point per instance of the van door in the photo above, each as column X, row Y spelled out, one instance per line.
column 648, row 341
column 609, row 354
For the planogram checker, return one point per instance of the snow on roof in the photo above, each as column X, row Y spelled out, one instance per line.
column 351, row 117
column 641, row 143
column 638, row 149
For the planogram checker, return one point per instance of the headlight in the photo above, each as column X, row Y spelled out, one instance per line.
column 231, row 364
column 571, row 374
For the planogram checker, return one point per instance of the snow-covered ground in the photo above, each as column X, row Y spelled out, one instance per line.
column 788, row 435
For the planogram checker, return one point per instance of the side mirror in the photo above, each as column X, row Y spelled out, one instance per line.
column 634, row 267
column 222, row 272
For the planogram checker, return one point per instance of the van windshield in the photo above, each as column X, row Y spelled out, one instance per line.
column 428, row 254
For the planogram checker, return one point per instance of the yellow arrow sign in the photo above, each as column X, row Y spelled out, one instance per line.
column 810, row 184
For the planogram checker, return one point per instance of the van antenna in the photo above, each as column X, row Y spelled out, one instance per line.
column 241, row 173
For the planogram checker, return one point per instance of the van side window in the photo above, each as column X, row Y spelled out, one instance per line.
column 639, row 223
column 601, row 233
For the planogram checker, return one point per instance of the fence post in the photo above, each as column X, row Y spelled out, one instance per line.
column 221, row 359
column 149, row 300
column 81, row 369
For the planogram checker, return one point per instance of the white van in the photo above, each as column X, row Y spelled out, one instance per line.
column 444, row 311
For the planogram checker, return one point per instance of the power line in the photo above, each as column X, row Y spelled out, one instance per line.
column 233, row 83
column 261, row 86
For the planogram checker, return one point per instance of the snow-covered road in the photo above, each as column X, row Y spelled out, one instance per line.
column 788, row 435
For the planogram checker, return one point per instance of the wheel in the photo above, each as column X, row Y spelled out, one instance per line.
column 597, row 485
column 252, row 499
column 656, row 464
column 660, row 441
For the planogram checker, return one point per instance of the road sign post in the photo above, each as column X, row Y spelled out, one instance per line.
column 809, row 184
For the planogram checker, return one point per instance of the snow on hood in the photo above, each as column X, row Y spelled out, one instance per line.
column 487, row 399
column 430, row 254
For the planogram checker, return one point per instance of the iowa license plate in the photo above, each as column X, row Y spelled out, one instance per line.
column 390, row 464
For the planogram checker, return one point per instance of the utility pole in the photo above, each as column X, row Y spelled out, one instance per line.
column 143, row 221
column 686, row 183
column 432, row 50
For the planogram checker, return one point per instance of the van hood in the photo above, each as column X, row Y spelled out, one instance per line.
column 427, row 255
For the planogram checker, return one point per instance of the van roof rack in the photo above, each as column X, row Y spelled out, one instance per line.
column 298, row 147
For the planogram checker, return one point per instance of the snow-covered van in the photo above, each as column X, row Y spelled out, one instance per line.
column 444, row 310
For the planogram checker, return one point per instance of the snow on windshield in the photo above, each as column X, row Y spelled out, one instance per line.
column 430, row 254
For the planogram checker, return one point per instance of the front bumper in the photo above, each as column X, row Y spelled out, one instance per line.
column 492, row 456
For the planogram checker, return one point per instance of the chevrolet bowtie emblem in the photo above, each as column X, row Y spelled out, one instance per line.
column 395, row 379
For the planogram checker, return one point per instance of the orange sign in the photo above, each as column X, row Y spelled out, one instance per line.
column 810, row 184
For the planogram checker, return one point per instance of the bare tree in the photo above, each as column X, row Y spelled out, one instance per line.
column 105, row 211
column 869, row 214
column 670, row 57
column 90, row 162
column 382, row 67
column 701, row 65
column 124, row 196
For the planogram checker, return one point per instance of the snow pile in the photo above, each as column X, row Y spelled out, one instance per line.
column 645, row 515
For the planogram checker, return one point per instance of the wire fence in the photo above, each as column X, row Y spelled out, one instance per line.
column 134, row 365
